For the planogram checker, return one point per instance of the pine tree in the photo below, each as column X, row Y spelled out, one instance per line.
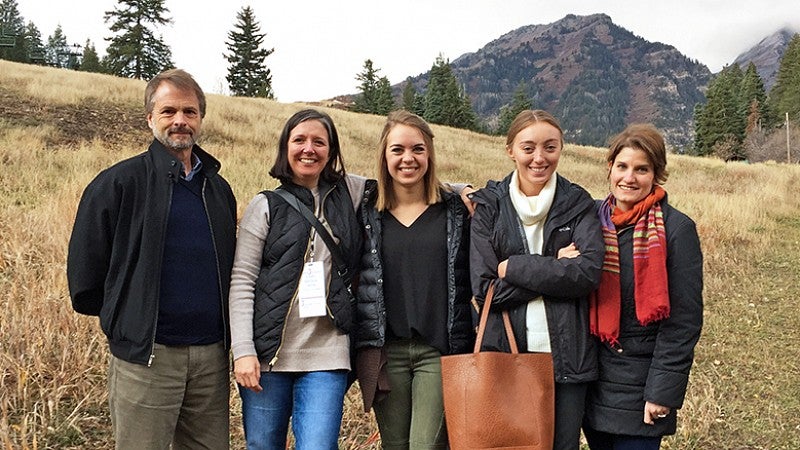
column 57, row 51
column 136, row 52
column 384, row 99
column 445, row 102
column 409, row 95
column 412, row 100
column 34, row 45
column 465, row 116
column 248, row 75
column 720, row 125
column 519, row 102
column 12, row 32
column 91, row 61
column 375, row 92
column 700, row 133
column 785, row 94
column 753, row 100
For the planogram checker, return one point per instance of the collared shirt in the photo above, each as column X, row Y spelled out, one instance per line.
column 195, row 168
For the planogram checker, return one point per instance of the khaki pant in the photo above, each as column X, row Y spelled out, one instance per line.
column 181, row 399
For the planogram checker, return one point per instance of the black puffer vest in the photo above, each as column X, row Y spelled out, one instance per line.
column 371, row 314
column 284, row 254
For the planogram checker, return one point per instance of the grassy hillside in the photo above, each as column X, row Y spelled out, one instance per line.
column 59, row 128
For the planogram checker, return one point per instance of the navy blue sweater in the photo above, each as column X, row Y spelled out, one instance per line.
column 190, row 306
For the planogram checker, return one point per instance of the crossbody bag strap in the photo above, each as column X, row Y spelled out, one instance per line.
column 336, row 251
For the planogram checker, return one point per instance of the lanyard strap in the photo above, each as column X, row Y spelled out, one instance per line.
column 305, row 211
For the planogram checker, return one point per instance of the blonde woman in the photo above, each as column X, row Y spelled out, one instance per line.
column 414, row 289
column 536, row 237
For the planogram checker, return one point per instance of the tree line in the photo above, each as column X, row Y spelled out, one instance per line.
column 135, row 47
column 738, row 121
column 741, row 120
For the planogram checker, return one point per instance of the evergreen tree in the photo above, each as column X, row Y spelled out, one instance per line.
column 136, row 52
column 57, row 52
column 248, row 75
column 785, row 94
column 409, row 95
column 12, row 32
column 519, row 102
column 413, row 101
column 441, row 82
column 34, row 45
column 465, row 115
column 376, row 92
column 384, row 99
column 445, row 102
column 91, row 61
column 753, row 100
column 721, row 122
column 700, row 134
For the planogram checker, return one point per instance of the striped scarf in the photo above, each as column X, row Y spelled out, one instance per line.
column 651, row 291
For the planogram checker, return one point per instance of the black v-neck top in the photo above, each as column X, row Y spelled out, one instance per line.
column 415, row 277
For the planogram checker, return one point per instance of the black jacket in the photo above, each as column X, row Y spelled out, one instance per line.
column 565, row 284
column 651, row 363
column 116, row 247
column 282, row 262
column 370, row 328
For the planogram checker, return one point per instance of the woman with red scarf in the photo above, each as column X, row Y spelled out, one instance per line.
column 647, row 312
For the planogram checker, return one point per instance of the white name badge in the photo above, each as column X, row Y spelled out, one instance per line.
column 311, row 293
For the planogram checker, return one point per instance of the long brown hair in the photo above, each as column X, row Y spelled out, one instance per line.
column 386, row 197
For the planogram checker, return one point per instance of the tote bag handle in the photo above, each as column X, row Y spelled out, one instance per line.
column 487, row 304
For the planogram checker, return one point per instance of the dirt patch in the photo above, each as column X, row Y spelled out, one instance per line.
column 86, row 121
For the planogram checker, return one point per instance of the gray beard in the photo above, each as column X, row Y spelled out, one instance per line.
column 178, row 144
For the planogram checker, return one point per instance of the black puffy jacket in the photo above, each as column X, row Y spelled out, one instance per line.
column 284, row 253
column 651, row 363
column 370, row 328
column 565, row 284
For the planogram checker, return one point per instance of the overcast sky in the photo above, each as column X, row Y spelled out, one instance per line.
column 320, row 45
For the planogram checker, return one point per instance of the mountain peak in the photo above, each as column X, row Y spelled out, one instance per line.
column 591, row 73
column 766, row 55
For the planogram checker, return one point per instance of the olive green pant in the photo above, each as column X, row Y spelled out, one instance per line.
column 182, row 399
column 412, row 415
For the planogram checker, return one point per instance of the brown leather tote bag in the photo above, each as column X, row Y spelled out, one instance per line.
column 496, row 400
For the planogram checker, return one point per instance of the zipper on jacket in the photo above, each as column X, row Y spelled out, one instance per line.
column 216, row 264
column 160, row 261
column 288, row 312
column 311, row 236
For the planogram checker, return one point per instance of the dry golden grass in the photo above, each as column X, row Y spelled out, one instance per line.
column 745, row 387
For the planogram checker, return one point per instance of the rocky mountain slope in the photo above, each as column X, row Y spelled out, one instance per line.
column 592, row 74
column 766, row 55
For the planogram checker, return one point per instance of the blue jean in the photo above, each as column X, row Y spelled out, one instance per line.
column 599, row 440
column 313, row 400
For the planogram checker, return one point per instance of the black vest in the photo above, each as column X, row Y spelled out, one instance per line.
column 284, row 255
